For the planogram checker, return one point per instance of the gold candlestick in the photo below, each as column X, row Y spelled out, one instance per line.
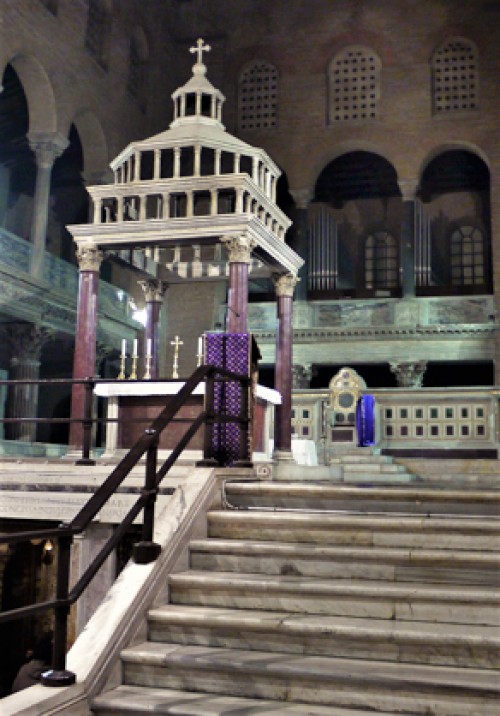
column 147, row 372
column 133, row 372
column 121, row 374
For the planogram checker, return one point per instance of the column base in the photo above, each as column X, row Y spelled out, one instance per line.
column 283, row 456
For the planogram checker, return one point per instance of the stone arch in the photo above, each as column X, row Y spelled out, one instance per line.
column 38, row 91
column 94, row 144
column 453, row 146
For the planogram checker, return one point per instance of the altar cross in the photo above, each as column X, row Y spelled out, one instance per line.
column 176, row 343
column 200, row 49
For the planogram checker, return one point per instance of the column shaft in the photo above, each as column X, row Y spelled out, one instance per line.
column 407, row 249
column 283, row 377
column 237, row 302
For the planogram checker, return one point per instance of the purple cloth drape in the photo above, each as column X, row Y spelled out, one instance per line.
column 365, row 420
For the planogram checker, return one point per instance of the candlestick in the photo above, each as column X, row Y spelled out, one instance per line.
column 135, row 351
column 149, row 359
column 124, row 346
column 199, row 355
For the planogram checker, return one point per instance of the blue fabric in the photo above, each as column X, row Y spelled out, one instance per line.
column 365, row 420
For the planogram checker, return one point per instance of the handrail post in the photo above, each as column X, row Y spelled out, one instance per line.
column 244, row 426
column 87, row 424
column 146, row 550
column 59, row 675
column 208, row 439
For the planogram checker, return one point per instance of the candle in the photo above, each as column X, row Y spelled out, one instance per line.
column 136, row 343
column 149, row 346
column 124, row 347
column 200, row 346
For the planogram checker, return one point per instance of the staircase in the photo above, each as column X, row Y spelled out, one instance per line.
column 336, row 599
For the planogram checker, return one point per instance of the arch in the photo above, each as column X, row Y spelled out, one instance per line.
column 357, row 174
column 94, row 144
column 39, row 93
column 453, row 146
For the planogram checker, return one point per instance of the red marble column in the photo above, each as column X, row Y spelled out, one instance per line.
column 285, row 284
column 89, row 259
column 239, row 249
column 154, row 292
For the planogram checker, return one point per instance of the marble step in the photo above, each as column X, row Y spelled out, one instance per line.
column 429, row 532
column 136, row 700
column 344, row 562
column 406, row 601
column 408, row 499
column 349, row 683
column 283, row 632
column 369, row 467
column 369, row 457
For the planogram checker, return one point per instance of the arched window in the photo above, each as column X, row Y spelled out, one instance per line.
column 97, row 36
column 467, row 256
column 354, row 85
column 454, row 70
column 381, row 261
column 257, row 96
column 138, row 65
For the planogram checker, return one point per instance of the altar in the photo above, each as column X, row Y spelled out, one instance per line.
column 143, row 401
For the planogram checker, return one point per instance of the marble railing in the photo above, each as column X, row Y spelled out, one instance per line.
column 16, row 253
column 412, row 418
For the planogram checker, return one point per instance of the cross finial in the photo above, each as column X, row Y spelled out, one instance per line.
column 200, row 49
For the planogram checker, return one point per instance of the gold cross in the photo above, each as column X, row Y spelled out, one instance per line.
column 200, row 49
column 175, row 366
column 177, row 343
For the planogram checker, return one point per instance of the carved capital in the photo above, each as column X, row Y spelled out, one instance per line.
column 301, row 375
column 408, row 188
column 302, row 197
column 285, row 283
column 409, row 374
column 154, row 289
column 47, row 146
column 26, row 341
column 89, row 258
column 239, row 248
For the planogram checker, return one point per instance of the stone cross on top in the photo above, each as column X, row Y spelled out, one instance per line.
column 200, row 49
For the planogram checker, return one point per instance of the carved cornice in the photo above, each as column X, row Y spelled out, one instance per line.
column 386, row 332
column 239, row 248
column 89, row 258
column 284, row 284
column 154, row 289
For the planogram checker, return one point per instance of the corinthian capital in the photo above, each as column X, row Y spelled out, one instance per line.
column 89, row 258
column 154, row 289
column 47, row 146
column 285, row 283
column 239, row 248
column 26, row 341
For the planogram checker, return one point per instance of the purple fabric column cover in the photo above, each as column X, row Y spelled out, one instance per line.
column 365, row 420
column 232, row 352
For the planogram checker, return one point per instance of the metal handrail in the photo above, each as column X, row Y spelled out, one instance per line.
column 145, row 551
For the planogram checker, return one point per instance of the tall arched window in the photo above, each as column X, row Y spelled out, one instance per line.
column 138, row 65
column 97, row 36
column 257, row 96
column 354, row 85
column 467, row 256
column 454, row 70
column 381, row 261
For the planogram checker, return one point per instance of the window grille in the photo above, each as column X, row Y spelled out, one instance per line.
column 454, row 70
column 257, row 96
column 354, row 83
column 467, row 256
column 381, row 261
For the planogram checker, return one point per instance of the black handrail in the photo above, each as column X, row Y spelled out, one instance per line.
column 146, row 550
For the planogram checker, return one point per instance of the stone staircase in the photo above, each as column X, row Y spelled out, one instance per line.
column 334, row 599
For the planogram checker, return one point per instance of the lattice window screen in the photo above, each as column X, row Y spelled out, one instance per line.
column 467, row 256
column 257, row 96
column 455, row 84
column 354, row 82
